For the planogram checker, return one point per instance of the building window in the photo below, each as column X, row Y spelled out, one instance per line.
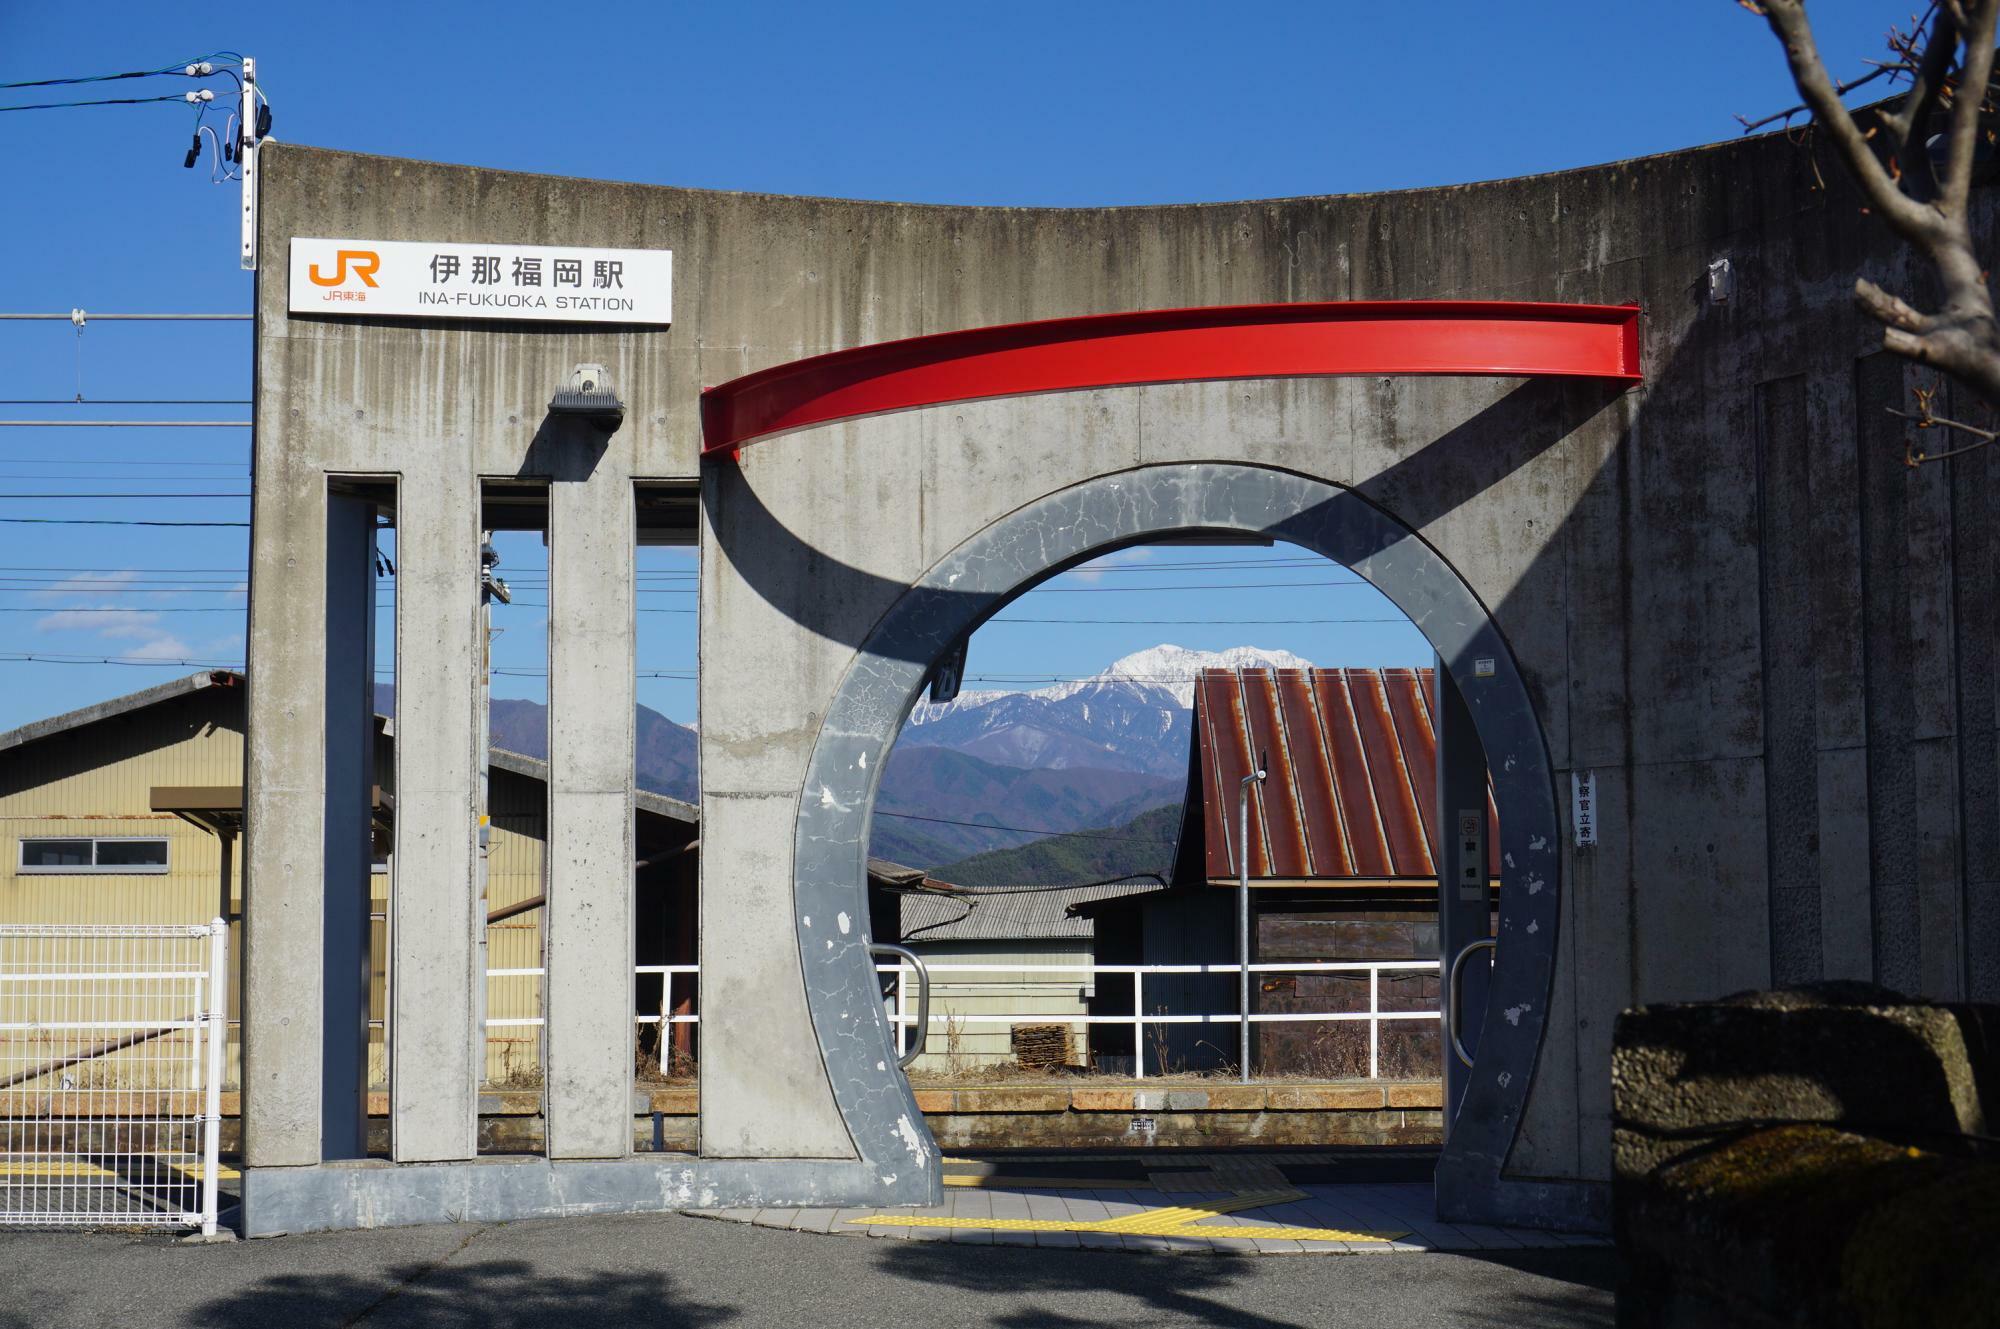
column 103, row 855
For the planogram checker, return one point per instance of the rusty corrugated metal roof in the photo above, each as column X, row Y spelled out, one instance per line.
column 1352, row 787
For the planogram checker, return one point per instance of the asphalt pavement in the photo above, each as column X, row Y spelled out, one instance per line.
column 675, row 1270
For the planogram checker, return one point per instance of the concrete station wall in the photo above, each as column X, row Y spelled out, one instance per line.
column 1729, row 599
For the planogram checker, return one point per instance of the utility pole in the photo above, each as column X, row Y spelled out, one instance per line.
column 490, row 588
column 1243, row 911
column 253, row 124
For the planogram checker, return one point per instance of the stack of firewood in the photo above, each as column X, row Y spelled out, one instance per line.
column 1039, row 1046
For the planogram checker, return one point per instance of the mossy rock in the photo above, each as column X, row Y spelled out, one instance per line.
column 1846, row 1054
column 1811, row 1225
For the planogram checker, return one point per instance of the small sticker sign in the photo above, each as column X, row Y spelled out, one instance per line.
column 1583, row 807
column 1483, row 667
column 1472, row 869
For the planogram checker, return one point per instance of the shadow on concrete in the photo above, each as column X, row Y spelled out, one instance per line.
column 565, row 448
column 492, row 1294
column 1442, row 475
column 1557, row 1288
column 1175, row 1286
column 1572, row 1288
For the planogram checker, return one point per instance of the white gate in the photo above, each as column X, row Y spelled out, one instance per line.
column 111, row 1063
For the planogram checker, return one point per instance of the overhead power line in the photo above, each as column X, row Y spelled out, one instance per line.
column 242, row 493
column 199, row 67
column 51, row 475
column 125, row 401
column 125, row 424
column 138, row 661
column 101, row 101
column 83, row 316
column 1214, row 622
column 1025, row 830
column 110, row 521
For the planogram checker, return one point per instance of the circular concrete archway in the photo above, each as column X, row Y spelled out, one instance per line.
column 1095, row 517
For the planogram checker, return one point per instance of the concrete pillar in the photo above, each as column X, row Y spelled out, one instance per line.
column 284, row 806
column 350, row 778
column 1464, row 905
column 436, row 1049
column 589, row 939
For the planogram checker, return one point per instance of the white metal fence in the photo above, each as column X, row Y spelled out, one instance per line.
column 942, row 1014
column 112, row 1041
column 1141, row 1017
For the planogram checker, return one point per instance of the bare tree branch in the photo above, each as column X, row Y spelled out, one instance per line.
column 1788, row 20
column 1926, row 418
column 1841, row 89
column 1948, row 59
column 1929, row 67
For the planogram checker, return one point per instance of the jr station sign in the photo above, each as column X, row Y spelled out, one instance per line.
column 419, row 279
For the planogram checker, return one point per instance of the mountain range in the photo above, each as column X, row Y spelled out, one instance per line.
column 990, row 770
column 1135, row 715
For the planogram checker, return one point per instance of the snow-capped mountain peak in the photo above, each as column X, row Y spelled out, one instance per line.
column 1132, row 715
column 1173, row 669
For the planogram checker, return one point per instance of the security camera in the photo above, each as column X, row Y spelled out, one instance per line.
column 589, row 378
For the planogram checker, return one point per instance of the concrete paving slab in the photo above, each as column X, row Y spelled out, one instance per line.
column 814, row 1220
column 630, row 1271
column 843, row 1224
column 1213, row 1219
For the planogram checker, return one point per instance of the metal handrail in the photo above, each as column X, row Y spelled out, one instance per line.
column 1451, row 996
column 1138, row 1021
column 915, row 962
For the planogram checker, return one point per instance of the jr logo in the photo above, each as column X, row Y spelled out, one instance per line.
column 365, row 262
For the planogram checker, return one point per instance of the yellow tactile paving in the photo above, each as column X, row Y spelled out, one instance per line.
column 76, row 1168
column 65, row 1168
column 1169, row 1221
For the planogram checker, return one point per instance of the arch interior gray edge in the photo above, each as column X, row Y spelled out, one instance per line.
column 1124, row 508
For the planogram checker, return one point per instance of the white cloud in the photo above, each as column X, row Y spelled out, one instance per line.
column 90, row 583
column 103, row 622
column 166, row 646
column 136, row 632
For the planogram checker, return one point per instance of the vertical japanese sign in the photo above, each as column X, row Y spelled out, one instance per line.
column 548, row 283
column 1583, row 807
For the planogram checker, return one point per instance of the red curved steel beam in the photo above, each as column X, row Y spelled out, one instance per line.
column 1478, row 338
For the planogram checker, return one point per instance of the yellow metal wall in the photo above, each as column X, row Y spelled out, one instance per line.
column 98, row 780
column 519, row 809
column 1038, row 998
column 101, row 783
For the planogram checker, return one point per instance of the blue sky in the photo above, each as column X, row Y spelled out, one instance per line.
column 1044, row 104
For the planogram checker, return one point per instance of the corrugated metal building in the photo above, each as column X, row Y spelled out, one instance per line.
column 1340, row 853
column 83, row 843
column 1351, row 799
column 131, row 812
column 1007, row 926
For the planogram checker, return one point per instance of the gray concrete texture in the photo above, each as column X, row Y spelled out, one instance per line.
column 1723, row 592
column 672, row 1271
column 1060, row 530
